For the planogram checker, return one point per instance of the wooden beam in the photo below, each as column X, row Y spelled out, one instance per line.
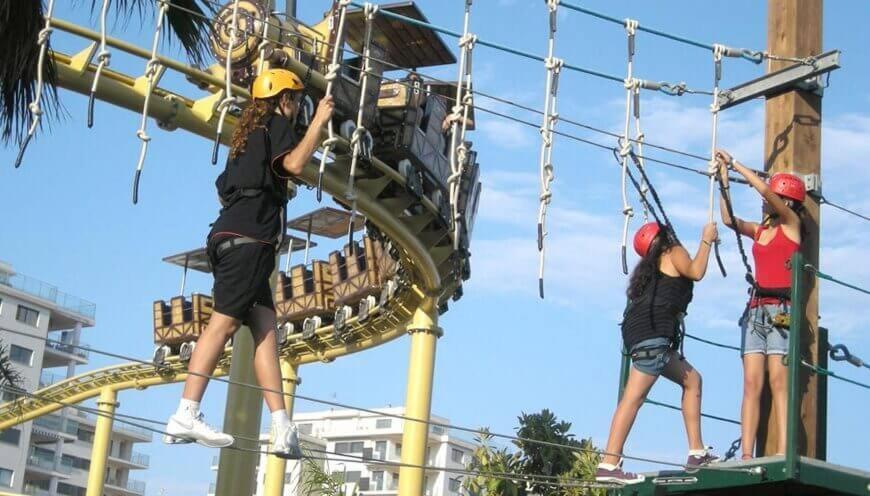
column 793, row 144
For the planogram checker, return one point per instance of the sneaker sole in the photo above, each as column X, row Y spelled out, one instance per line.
column 621, row 482
column 167, row 439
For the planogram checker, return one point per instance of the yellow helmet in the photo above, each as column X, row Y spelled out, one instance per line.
column 273, row 82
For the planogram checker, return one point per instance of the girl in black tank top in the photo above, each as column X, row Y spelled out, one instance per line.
column 659, row 293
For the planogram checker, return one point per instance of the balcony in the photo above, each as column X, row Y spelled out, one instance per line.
column 132, row 486
column 138, row 433
column 61, row 354
column 45, row 465
column 48, row 292
column 135, row 460
column 31, row 490
column 56, row 426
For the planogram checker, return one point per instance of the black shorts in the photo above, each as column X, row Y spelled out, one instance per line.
column 241, row 277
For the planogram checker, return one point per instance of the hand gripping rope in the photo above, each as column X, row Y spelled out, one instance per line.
column 718, row 52
column 224, row 105
column 359, row 132
column 34, row 106
column 460, row 111
column 153, row 70
column 331, row 74
column 103, row 56
column 631, row 87
column 554, row 67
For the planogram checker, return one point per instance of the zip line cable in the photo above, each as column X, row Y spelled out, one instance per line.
column 822, row 275
column 824, row 201
column 336, row 404
column 822, row 371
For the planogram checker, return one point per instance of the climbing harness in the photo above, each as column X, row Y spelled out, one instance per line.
column 153, row 72
column 331, row 74
column 104, row 57
column 359, row 133
column 43, row 38
column 228, row 100
column 554, row 66
column 461, row 110
column 718, row 52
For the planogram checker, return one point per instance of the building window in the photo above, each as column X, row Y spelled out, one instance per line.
column 9, row 395
column 10, row 436
column 305, row 428
column 20, row 354
column 86, row 436
column 398, row 449
column 352, row 477
column 454, row 485
column 70, row 490
column 456, row 455
column 288, row 478
column 378, row 481
column 349, row 447
column 383, row 423
column 27, row 315
column 380, row 450
column 6, row 477
column 394, row 484
column 75, row 462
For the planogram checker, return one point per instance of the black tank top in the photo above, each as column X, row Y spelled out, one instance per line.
column 656, row 312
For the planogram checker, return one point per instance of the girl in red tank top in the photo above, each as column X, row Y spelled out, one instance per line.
column 776, row 238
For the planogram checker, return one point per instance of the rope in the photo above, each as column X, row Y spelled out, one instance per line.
column 822, row 275
column 331, row 74
column 460, row 110
column 674, row 407
column 630, row 85
column 840, row 353
column 713, row 343
column 224, row 105
column 104, row 57
column 821, row 371
column 336, row 404
column 153, row 70
column 264, row 43
column 554, row 67
column 718, row 52
column 824, row 201
column 729, row 208
column 35, row 108
column 359, row 131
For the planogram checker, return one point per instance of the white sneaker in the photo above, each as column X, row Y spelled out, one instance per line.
column 285, row 442
column 182, row 429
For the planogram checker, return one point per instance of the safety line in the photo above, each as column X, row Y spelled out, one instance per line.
column 822, row 275
column 821, row 371
column 824, row 201
column 674, row 407
column 336, row 404
column 712, row 343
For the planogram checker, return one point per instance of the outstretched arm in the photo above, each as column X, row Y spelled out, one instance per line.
column 695, row 268
column 295, row 161
column 743, row 227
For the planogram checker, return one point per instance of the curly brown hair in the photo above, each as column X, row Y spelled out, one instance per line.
column 254, row 116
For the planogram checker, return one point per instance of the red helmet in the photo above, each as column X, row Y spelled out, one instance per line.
column 789, row 186
column 644, row 237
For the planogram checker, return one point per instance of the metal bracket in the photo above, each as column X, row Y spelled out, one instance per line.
column 813, row 184
column 80, row 61
column 806, row 77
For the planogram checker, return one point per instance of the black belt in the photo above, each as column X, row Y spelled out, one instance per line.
column 649, row 353
column 230, row 243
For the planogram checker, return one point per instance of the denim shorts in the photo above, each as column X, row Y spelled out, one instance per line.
column 759, row 334
column 652, row 366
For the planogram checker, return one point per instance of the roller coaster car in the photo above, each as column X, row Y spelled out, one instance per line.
column 179, row 323
column 307, row 292
column 469, row 197
column 355, row 272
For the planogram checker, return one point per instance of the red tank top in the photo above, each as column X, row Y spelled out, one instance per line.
column 772, row 270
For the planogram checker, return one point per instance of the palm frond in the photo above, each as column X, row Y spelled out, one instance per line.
column 9, row 376
column 20, row 23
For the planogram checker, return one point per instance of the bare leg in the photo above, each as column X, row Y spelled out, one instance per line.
column 636, row 389
column 266, row 366
column 753, row 380
column 207, row 352
column 778, row 377
column 682, row 373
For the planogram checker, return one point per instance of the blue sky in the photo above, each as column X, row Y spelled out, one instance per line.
column 504, row 351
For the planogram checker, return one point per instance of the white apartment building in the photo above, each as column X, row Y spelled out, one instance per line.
column 51, row 455
column 365, row 448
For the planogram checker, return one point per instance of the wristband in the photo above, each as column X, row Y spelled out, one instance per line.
column 708, row 243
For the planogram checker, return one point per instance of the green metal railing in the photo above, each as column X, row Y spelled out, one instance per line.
column 796, row 318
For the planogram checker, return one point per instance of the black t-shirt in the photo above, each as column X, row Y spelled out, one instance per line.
column 258, row 167
column 656, row 312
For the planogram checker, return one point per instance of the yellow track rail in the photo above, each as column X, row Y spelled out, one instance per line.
column 429, row 274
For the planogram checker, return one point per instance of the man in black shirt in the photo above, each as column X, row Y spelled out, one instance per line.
column 264, row 154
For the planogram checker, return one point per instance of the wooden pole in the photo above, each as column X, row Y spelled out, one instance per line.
column 793, row 144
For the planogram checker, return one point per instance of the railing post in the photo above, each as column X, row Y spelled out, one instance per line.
column 796, row 319
column 624, row 370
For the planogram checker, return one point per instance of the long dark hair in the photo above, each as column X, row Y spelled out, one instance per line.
column 798, row 208
column 648, row 266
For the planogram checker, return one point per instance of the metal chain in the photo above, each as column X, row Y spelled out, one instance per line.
column 153, row 70
column 554, row 66
column 35, row 108
column 224, row 105
column 104, row 57
column 631, row 86
column 718, row 52
column 370, row 10
column 460, row 110
column 331, row 74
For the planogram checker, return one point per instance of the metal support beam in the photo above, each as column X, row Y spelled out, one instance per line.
column 277, row 467
column 102, row 436
column 418, row 401
column 798, row 76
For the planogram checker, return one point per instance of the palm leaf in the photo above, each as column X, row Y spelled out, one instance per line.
column 9, row 376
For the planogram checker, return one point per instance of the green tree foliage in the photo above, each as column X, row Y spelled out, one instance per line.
column 491, row 464
column 540, row 459
column 583, row 469
column 317, row 481
column 9, row 376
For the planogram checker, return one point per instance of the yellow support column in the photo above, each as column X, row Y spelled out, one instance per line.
column 102, row 436
column 276, row 467
column 418, row 399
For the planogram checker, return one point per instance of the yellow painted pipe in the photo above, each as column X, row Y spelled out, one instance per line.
column 102, row 436
column 421, row 368
column 277, row 467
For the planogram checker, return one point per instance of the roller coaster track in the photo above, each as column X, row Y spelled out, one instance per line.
column 428, row 273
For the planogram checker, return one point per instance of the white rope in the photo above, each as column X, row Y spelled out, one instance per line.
column 35, row 108
column 228, row 100
column 641, row 161
column 460, row 110
column 632, row 85
column 359, row 132
column 152, row 68
column 331, row 74
column 554, row 67
column 104, row 57
column 264, row 42
column 718, row 52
